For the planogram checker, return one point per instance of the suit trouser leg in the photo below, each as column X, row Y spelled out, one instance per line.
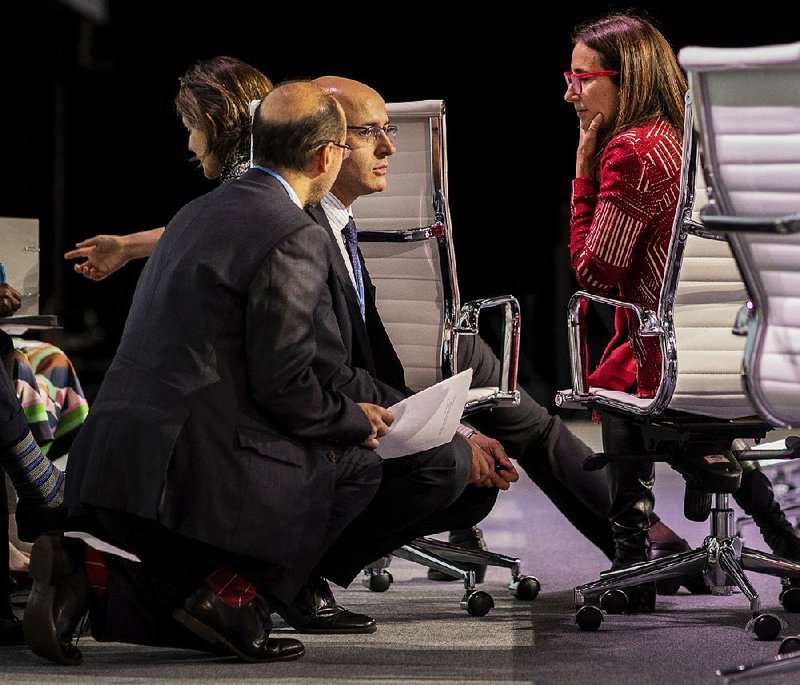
column 474, row 505
column 13, row 424
column 544, row 448
column 412, row 488
column 140, row 597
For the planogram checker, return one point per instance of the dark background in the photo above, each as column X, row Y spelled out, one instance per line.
column 92, row 144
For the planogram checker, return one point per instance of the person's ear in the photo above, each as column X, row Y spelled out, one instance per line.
column 325, row 157
column 213, row 127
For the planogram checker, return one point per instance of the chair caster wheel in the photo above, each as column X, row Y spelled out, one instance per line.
column 790, row 599
column 477, row 603
column 380, row 582
column 588, row 618
column 789, row 644
column 527, row 588
column 614, row 601
column 766, row 627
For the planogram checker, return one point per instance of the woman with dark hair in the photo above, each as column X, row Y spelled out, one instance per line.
column 213, row 103
column 628, row 93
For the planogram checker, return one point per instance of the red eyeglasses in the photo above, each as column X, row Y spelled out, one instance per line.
column 574, row 79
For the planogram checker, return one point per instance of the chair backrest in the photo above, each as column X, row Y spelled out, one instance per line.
column 700, row 297
column 405, row 236
column 747, row 104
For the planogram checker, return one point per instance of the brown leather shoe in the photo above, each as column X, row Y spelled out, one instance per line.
column 58, row 600
column 242, row 631
column 315, row 610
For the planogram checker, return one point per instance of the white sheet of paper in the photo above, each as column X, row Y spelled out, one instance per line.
column 427, row 419
column 101, row 545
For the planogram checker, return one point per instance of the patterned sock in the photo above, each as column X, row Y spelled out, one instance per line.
column 33, row 475
column 96, row 572
column 231, row 588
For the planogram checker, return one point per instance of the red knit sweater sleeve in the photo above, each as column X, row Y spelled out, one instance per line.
column 607, row 219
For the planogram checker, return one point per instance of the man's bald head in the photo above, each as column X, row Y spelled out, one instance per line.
column 369, row 134
column 292, row 121
column 350, row 94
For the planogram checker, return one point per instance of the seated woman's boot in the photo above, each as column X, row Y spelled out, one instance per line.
column 631, row 548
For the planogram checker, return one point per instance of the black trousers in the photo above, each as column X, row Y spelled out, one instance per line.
column 13, row 426
column 141, row 596
column 544, row 448
column 420, row 494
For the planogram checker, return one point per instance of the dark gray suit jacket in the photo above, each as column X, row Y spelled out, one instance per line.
column 222, row 411
column 367, row 342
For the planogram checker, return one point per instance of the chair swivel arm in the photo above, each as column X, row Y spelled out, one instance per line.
column 468, row 325
column 649, row 325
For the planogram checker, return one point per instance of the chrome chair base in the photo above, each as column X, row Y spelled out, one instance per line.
column 721, row 559
column 786, row 661
column 446, row 557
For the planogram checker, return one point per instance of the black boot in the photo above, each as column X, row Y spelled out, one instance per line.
column 757, row 498
column 631, row 491
column 631, row 548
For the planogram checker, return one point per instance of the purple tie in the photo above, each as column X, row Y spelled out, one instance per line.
column 351, row 241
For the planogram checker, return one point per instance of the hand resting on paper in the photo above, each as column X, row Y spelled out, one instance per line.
column 380, row 419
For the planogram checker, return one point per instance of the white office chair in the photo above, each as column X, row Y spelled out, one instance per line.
column 405, row 235
column 747, row 104
column 692, row 421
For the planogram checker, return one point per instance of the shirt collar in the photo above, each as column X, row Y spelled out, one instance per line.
column 338, row 215
column 282, row 181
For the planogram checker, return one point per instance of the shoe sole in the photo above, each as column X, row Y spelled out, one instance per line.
column 47, row 567
column 368, row 630
column 211, row 636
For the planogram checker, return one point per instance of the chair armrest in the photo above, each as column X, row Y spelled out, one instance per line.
column 649, row 325
column 406, row 235
column 468, row 325
column 783, row 224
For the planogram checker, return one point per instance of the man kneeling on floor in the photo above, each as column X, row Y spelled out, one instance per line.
column 222, row 449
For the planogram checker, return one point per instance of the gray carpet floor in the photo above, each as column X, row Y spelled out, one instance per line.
column 425, row 637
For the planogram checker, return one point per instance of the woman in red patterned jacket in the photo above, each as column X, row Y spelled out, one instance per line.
column 628, row 92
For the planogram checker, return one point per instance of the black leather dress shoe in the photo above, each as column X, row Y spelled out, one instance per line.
column 58, row 599
column 242, row 631
column 315, row 610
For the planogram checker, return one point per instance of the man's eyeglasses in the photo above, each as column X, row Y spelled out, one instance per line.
column 574, row 79
column 346, row 149
column 373, row 133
